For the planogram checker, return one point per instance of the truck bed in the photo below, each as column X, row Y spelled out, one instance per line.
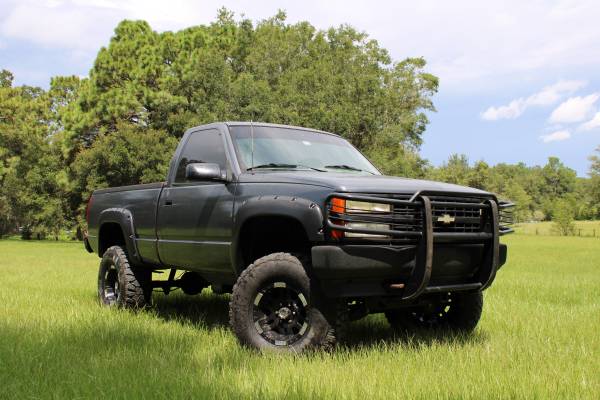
column 139, row 200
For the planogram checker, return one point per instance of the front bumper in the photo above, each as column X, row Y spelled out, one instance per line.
column 377, row 270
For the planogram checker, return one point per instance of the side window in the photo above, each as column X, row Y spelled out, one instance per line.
column 201, row 147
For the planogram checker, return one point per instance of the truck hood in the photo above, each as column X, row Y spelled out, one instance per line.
column 357, row 183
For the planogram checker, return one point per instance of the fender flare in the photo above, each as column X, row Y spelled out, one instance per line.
column 123, row 218
column 306, row 212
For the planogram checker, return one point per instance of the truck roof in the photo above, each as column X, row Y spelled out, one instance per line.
column 248, row 123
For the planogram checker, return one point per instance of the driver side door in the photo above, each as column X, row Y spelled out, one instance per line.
column 194, row 220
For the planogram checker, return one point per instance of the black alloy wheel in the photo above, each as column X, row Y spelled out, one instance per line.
column 433, row 313
column 110, row 285
column 279, row 313
column 457, row 311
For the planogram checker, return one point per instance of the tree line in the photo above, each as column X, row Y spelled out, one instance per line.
column 121, row 124
column 540, row 192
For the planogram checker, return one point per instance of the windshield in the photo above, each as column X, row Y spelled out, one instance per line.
column 290, row 148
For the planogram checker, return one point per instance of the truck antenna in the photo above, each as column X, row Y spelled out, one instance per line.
column 252, row 144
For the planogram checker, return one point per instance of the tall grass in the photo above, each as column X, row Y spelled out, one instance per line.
column 539, row 338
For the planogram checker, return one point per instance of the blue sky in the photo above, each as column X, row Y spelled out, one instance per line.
column 519, row 81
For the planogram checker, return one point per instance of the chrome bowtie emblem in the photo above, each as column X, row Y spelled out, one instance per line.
column 446, row 219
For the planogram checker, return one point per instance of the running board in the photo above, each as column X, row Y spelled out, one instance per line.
column 453, row 288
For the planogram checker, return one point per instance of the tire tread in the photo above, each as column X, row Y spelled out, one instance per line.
column 239, row 301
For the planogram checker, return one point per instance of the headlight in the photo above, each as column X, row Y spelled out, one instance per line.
column 349, row 207
column 353, row 207
column 360, row 225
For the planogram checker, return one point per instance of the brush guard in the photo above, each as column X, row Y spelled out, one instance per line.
column 418, row 283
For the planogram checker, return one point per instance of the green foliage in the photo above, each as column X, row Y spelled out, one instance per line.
column 518, row 195
column 591, row 187
column 337, row 80
column 6, row 219
column 535, row 190
column 563, row 217
column 394, row 157
column 6, row 78
column 132, row 156
column 595, row 160
column 456, row 170
column 558, row 179
column 31, row 193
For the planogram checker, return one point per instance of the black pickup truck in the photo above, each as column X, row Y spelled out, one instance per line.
column 303, row 231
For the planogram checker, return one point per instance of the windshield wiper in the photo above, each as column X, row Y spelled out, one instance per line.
column 271, row 165
column 347, row 167
column 281, row 165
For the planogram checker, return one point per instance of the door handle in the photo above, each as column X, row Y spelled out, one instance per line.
column 168, row 202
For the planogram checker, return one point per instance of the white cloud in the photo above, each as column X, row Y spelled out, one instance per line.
column 491, row 44
column 551, row 94
column 556, row 136
column 591, row 124
column 545, row 97
column 483, row 45
column 574, row 109
column 85, row 25
column 59, row 24
column 510, row 111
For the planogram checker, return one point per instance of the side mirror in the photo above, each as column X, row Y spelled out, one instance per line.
column 204, row 172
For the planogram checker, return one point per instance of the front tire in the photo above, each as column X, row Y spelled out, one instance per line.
column 120, row 284
column 271, row 308
column 459, row 312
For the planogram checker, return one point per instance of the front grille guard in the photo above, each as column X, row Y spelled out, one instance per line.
column 506, row 216
column 418, row 283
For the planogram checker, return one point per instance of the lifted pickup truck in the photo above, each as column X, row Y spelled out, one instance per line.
column 303, row 231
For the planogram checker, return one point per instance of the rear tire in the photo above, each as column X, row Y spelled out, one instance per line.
column 270, row 307
column 456, row 311
column 120, row 284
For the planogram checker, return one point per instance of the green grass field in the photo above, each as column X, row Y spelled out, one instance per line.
column 539, row 338
column 582, row 228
